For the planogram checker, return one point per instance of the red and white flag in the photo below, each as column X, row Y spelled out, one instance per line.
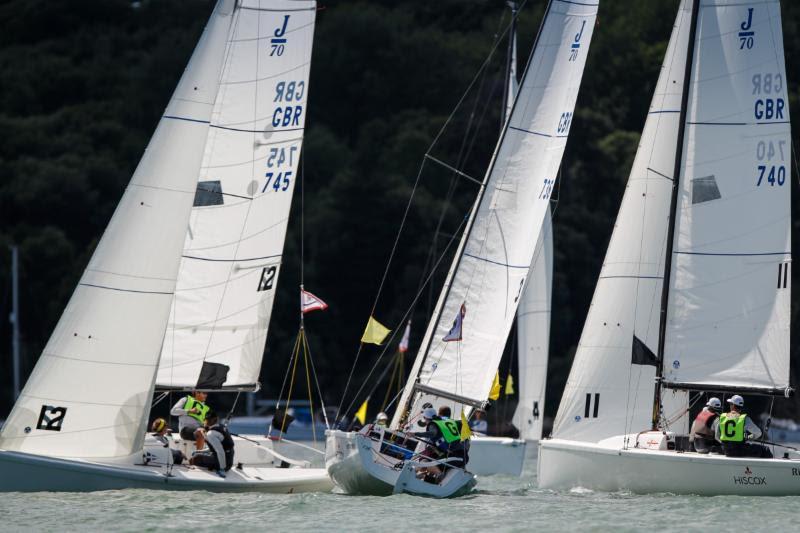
column 404, row 342
column 309, row 302
column 455, row 332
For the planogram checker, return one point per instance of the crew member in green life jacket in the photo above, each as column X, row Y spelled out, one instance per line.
column 734, row 429
column 191, row 411
column 443, row 439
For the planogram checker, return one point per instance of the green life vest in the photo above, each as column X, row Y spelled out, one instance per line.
column 202, row 408
column 731, row 428
column 450, row 430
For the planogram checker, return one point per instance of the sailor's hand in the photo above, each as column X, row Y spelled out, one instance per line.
column 750, row 437
column 193, row 410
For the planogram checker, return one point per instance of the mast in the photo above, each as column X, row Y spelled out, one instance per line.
column 14, row 318
column 511, row 71
column 662, row 328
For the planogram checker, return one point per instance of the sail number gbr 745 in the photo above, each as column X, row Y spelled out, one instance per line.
column 280, row 160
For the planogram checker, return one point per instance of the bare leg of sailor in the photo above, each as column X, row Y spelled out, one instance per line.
column 200, row 438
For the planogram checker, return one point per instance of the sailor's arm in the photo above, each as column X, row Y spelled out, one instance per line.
column 715, row 427
column 178, row 408
column 752, row 428
column 214, row 440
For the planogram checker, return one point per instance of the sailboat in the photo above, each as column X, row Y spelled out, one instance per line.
column 233, row 247
column 80, row 421
column 533, row 338
column 491, row 455
column 465, row 338
column 694, row 292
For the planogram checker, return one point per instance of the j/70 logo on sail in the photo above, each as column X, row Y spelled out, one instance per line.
column 51, row 418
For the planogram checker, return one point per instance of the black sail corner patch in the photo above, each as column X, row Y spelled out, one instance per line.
column 641, row 354
column 51, row 418
column 212, row 375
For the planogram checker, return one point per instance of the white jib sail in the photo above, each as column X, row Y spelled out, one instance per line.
column 728, row 314
column 533, row 337
column 606, row 394
column 232, row 255
column 495, row 253
column 90, row 392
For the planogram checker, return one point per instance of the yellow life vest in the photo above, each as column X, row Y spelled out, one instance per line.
column 731, row 428
column 202, row 409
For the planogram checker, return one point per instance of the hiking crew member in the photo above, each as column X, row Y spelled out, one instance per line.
column 192, row 411
column 219, row 456
column 443, row 439
column 734, row 428
column 702, row 433
column 162, row 434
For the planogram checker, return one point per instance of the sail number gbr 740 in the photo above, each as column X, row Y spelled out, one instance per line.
column 770, row 154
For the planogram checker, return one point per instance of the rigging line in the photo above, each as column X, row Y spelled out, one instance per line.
column 316, row 380
column 463, row 154
column 411, row 198
column 403, row 320
column 455, row 170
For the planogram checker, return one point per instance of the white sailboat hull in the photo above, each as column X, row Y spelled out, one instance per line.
column 356, row 466
column 606, row 466
column 22, row 472
column 490, row 456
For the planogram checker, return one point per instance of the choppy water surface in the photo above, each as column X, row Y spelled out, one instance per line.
column 499, row 504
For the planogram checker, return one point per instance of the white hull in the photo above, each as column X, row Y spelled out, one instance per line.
column 263, row 469
column 356, row 466
column 25, row 472
column 607, row 466
column 490, row 456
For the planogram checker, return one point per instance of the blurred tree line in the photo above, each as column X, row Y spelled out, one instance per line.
column 84, row 83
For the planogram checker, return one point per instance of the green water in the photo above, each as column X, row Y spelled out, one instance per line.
column 498, row 504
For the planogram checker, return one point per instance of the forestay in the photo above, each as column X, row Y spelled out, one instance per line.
column 606, row 393
column 729, row 294
column 495, row 253
column 233, row 249
column 533, row 336
column 91, row 389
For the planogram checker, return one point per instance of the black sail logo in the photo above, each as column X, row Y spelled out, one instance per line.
column 51, row 418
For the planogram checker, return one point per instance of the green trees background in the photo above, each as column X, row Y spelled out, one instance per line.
column 84, row 82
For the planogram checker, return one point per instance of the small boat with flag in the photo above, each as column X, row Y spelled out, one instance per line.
column 693, row 299
column 457, row 362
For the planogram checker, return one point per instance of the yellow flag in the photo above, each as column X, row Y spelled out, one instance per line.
column 509, row 385
column 361, row 414
column 466, row 433
column 375, row 332
column 495, row 392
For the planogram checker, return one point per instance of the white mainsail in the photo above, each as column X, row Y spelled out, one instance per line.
column 90, row 392
column 234, row 245
column 718, row 279
column 495, row 253
column 533, row 336
column 729, row 294
column 603, row 380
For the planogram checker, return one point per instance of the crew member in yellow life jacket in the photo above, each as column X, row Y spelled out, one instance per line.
column 191, row 411
column 734, row 429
